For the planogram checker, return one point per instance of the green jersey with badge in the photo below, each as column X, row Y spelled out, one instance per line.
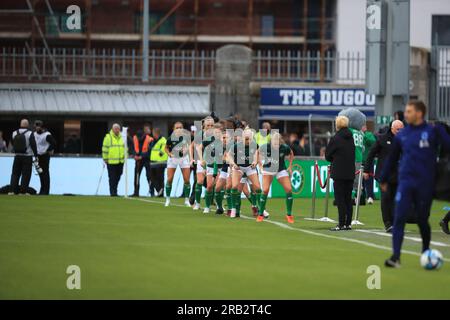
column 177, row 146
column 358, row 139
column 209, row 151
column 272, row 161
column 243, row 155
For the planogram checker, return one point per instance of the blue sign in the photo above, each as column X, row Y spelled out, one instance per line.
column 299, row 103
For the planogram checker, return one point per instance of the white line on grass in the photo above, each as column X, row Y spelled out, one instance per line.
column 288, row 227
column 415, row 239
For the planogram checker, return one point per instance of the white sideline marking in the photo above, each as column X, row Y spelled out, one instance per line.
column 288, row 227
column 384, row 234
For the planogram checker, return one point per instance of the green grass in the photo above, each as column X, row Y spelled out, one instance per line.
column 135, row 249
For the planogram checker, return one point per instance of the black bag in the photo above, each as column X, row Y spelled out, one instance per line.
column 20, row 142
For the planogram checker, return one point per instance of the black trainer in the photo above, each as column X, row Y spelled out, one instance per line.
column 389, row 229
column 219, row 211
column 348, row 228
column 338, row 228
column 392, row 263
column 444, row 227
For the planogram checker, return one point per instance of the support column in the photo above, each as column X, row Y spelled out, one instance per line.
column 145, row 40
column 232, row 83
column 388, row 54
column 88, row 5
column 250, row 23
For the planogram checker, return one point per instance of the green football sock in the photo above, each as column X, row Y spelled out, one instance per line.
column 208, row 198
column 289, row 202
column 168, row 189
column 262, row 205
column 239, row 202
column 258, row 198
column 198, row 192
column 234, row 198
column 253, row 199
column 229, row 199
column 187, row 190
column 219, row 198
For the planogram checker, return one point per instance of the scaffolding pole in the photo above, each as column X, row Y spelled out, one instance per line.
column 145, row 40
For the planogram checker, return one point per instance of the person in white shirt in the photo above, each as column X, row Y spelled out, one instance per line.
column 45, row 144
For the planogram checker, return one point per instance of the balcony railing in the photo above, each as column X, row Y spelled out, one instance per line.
column 104, row 65
column 123, row 66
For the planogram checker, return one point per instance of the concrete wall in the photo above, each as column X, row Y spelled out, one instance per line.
column 232, row 84
column 351, row 17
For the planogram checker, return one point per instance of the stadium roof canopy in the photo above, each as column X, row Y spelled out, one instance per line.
column 124, row 100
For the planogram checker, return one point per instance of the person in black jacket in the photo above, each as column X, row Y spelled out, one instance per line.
column 381, row 150
column 24, row 145
column 341, row 153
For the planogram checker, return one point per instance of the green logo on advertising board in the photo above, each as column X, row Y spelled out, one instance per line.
column 297, row 179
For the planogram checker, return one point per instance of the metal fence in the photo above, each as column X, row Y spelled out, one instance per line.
column 348, row 68
column 125, row 65
column 104, row 65
column 441, row 90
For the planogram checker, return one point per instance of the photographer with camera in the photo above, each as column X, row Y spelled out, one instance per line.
column 45, row 145
column 24, row 148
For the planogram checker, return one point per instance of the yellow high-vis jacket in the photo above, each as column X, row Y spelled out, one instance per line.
column 158, row 152
column 113, row 150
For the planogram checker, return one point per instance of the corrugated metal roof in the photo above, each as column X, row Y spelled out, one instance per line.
column 104, row 99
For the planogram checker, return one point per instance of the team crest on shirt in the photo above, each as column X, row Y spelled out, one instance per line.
column 424, row 140
column 297, row 179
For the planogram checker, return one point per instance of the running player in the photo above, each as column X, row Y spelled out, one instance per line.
column 177, row 147
column 243, row 158
column 207, row 136
column 273, row 155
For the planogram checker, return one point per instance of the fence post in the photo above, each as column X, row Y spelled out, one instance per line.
column 313, row 206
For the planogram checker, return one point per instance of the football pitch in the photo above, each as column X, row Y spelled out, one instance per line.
column 138, row 249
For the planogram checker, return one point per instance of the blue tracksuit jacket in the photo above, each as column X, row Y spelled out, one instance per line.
column 416, row 147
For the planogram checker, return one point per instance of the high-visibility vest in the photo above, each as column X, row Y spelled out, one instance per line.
column 113, row 149
column 158, row 153
column 260, row 139
column 145, row 144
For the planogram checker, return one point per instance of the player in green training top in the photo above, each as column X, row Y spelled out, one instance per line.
column 206, row 134
column 210, row 152
column 273, row 156
column 223, row 174
column 243, row 158
column 177, row 147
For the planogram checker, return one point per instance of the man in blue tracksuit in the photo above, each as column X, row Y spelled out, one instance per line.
column 415, row 151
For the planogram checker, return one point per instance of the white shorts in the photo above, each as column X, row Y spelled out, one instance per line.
column 280, row 174
column 182, row 162
column 224, row 175
column 249, row 171
column 200, row 168
column 209, row 171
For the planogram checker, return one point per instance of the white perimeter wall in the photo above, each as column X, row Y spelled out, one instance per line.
column 351, row 15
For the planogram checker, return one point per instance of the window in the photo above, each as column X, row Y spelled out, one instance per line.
column 441, row 31
column 267, row 25
column 59, row 20
column 168, row 26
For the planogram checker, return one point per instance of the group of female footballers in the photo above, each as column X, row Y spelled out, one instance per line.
column 227, row 165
